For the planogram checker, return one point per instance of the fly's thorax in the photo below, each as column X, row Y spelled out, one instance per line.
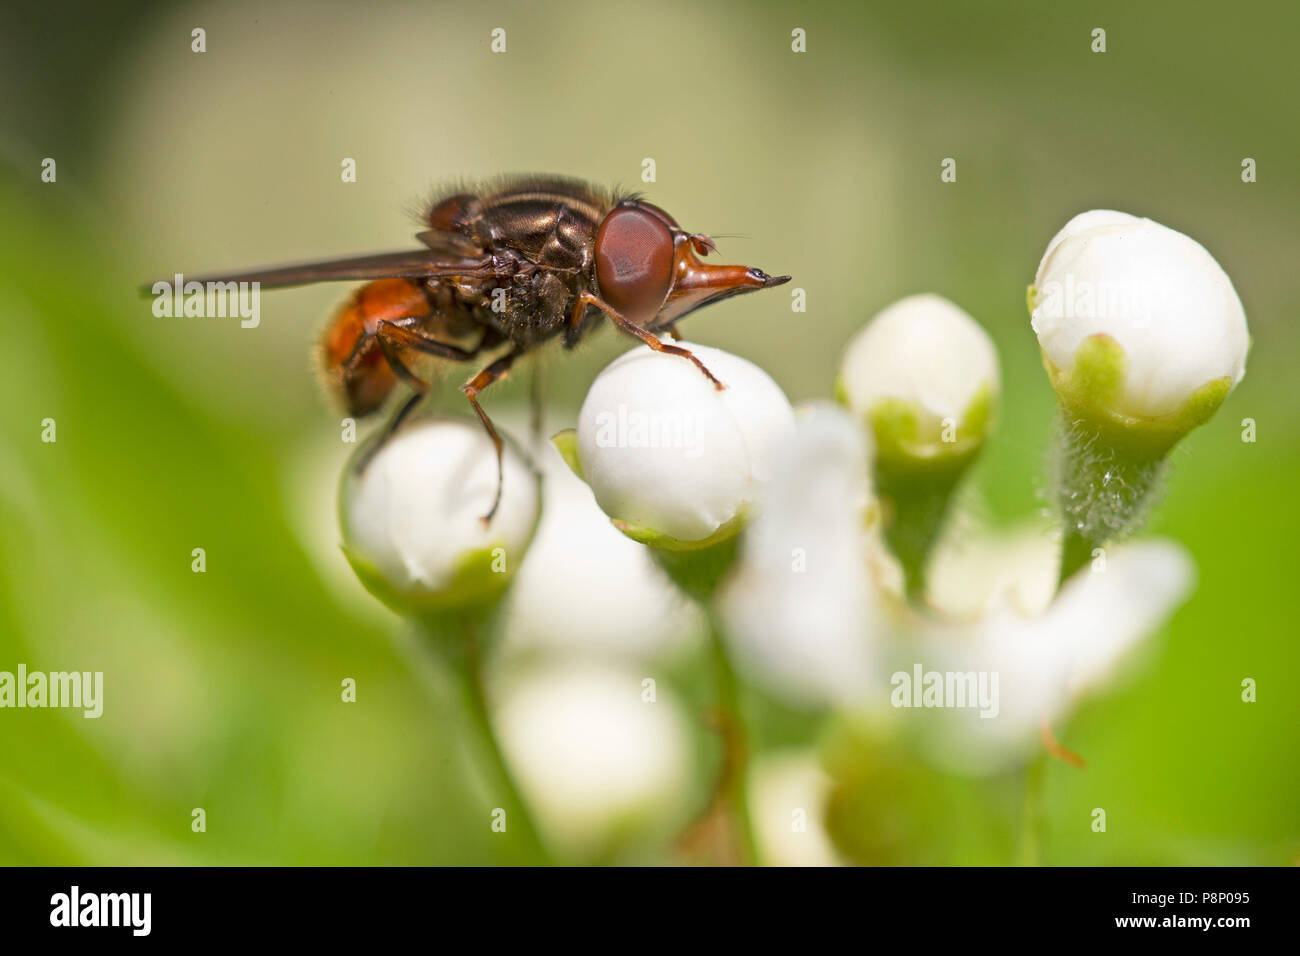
column 528, row 308
column 550, row 220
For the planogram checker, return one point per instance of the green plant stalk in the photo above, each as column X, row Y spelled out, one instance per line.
column 1032, row 815
column 518, row 818
column 1105, row 488
column 457, row 639
column 918, row 466
column 733, row 778
column 697, row 573
column 919, row 504
column 1076, row 552
column 1109, row 464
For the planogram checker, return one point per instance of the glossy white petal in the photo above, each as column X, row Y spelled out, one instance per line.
column 799, row 608
column 1046, row 663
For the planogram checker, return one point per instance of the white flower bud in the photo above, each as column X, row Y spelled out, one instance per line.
column 412, row 519
column 672, row 459
column 1139, row 325
column 925, row 375
column 596, row 759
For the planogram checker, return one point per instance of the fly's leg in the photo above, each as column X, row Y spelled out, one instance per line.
column 536, row 411
column 1058, row 750
column 645, row 335
column 493, row 373
column 392, row 337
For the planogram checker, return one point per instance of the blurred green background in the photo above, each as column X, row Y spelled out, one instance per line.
column 222, row 688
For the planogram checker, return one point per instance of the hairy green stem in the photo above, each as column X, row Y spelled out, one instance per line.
column 1105, row 488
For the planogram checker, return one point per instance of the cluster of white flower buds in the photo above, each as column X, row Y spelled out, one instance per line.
column 809, row 533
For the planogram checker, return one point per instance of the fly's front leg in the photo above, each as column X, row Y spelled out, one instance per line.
column 645, row 335
column 573, row 330
column 393, row 336
column 493, row 373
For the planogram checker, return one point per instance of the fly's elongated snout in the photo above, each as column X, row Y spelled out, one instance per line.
column 697, row 283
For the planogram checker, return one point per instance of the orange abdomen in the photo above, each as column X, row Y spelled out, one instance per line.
column 353, row 361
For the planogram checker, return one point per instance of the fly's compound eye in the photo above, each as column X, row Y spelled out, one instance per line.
column 658, row 211
column 634, row 261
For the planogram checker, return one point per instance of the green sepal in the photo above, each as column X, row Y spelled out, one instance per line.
column 917, row 473
column 566, row 443
column 698, row 571
column 1092, row 391
column 657, row 539
column 474, row 582
column 911, row 440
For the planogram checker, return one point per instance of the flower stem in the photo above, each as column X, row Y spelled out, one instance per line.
column 1105, row 488
column 724, row 831
column 1032, row 817
column 919, row 497
column 454, row 642
column 920, row 507
column 1076, row 552
column 733, row 777
column 698, row 573
column 518, row 820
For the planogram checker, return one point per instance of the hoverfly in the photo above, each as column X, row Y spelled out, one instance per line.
column 506, row 267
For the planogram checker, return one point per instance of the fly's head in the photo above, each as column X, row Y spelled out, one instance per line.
column 652, row 271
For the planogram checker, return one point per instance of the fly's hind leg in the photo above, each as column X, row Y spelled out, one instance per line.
column 393, row 337
column 493, row 373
